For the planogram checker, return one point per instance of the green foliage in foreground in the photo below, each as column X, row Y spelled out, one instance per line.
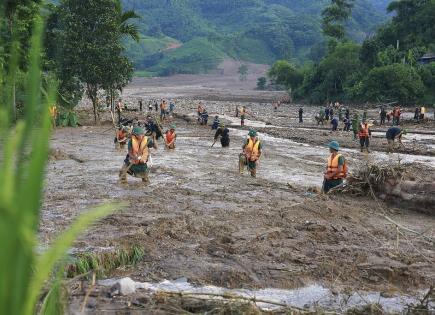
column 24, row 150
column 104, row 263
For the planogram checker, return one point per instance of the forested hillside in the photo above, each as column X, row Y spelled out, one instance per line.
column 190, row 36
column 387, row 67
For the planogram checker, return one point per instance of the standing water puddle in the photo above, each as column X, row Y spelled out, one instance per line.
column 310, row 297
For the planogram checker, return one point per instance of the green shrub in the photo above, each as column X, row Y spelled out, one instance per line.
column 24, row 152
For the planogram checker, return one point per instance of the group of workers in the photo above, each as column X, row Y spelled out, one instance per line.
column 140, row 139
column 336, row 169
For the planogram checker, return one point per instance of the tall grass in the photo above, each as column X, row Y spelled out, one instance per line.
column 23, row 155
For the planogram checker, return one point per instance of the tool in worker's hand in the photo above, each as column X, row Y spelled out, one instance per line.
column 213, row 144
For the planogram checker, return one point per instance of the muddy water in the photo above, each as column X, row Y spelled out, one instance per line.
column 312, row 295
column 201, row 220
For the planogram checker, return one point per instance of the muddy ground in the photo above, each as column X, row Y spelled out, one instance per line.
column 201, row 220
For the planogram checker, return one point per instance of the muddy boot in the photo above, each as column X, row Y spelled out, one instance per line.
column 145, row 179
column 123, row 175
column 254, row 173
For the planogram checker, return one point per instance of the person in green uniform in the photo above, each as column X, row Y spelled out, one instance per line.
column 336, row 169
column 137, row 160
column 251, row 154
column 355, row 125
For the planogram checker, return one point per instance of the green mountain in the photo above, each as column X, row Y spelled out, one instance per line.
column 189, row 36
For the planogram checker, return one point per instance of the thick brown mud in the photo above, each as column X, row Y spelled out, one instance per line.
column 201, row 220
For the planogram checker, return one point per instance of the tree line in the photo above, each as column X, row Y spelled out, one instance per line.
column 385, row 68
column 83, row 48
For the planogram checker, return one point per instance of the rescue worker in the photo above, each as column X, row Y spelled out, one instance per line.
column 171, row 107
column 170, row 138
column 383, row 115
column 119, row 108
column 53, row 115
column 396, row 116
column 340, row 114
column 251, row 154
column 203, row 118
column 163, row 110
column 320, row 118
column 355, row 125
column 121, row 138
column 216, row 123
column 347, row 114
column 327, row 112
column 301, row 112
column 422, row 112
column 364, row 135
column 153, row 130
column 346, row 124
column 242, row 116
column 394, row 133
column 224, row 134
column 199, row 110
column 336, row 170
column 417, row 114
column 138, row 157
column 334, row 123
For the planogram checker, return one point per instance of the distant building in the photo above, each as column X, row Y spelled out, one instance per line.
column 427, row 58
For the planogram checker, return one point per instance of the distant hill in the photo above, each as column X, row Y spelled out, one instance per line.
column 190, row 36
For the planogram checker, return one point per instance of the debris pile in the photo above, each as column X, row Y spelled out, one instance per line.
column 396, row 183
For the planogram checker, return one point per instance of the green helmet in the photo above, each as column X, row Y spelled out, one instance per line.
column 172, row 127
column 252, row 133
column 334, row 145
column 222, row 125
column 138, row 131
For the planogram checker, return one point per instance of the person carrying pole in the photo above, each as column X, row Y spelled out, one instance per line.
column 224, row 134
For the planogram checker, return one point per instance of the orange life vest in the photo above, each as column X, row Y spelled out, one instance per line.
column 170, row 136
column 139, row 149
column 252, row 150
column 364, row 131
column 333, row 167
column 121, row 136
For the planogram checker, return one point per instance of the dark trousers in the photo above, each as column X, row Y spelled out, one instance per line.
column 331, row 183
column 225, row 142
column 300, row 119
column 364, row 142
